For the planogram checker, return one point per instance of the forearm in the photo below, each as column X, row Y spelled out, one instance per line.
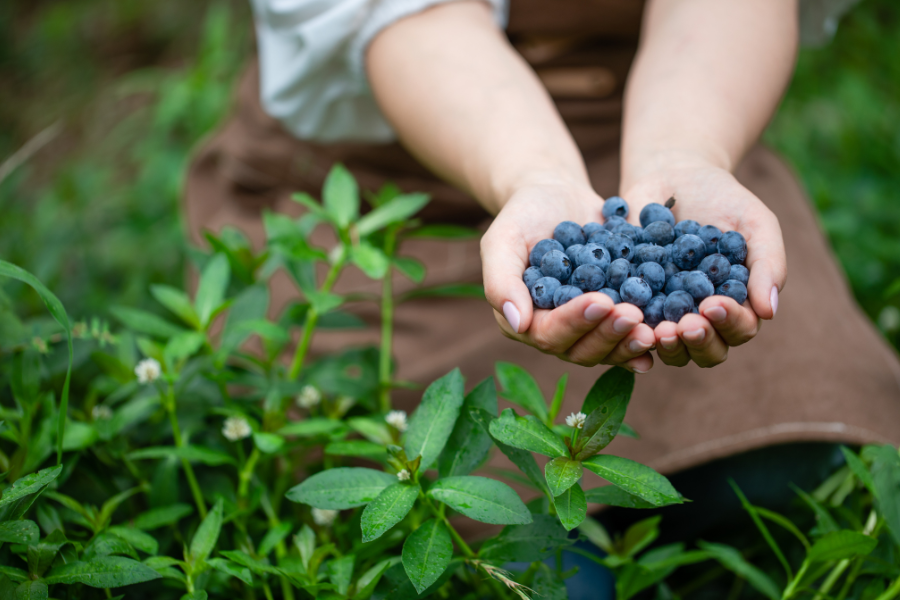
column 708, row 76
column 466, row 104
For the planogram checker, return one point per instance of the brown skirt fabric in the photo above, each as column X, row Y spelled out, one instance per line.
column 818, row 372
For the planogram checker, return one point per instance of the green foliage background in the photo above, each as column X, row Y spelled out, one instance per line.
column 135, row 85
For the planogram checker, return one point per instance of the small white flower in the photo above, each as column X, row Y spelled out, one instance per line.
column 309, row 397
column 324, row 516
column 236, row 428
column 397, row 420
column 403, row 475
column 148, row 370
column 576, row 420
column 101, row 413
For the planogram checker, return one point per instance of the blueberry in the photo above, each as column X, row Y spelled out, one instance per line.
column 543, row 290
column 710, row 235
column 716, row 268
column 687, row 226
column 653, row 312
column 557, row 265
column 532, row 274
column 677, row 305
column 733, row 246
column 573, row 253
column 568, row 234
column 688, row 251
column 632, row 270
column 675, row 283
column 588, row 278
column 612, row 222
column 653, row 274
column 739, row 273
column 668, row 249
column 616, row 298
column 698, row 285
column 650, row 253
column 639, row 236
column 637, row 252
column 617, row 273
column 615, row 207
column 542, row 248
column 636, row 291
column 626, row 228
column 594, row 254
column 734, row 289
column 656, row 212
column 564, row 293
column 620, row 246
column 599, row 237
column 670, row 270
column 659, row 233
column 590, row 229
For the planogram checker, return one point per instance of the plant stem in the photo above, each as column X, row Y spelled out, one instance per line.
column 312, row 318
column 247, row 472
column 839, row 569
column 179, row 442
column 795, row 581
column 267, row 590
column 387, row 327
column 891, row 592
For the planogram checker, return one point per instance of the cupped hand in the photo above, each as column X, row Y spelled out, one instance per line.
column 588, row 330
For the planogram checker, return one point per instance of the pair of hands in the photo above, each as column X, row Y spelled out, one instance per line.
column 590, row 329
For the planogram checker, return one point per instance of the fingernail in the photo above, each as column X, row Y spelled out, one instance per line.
column 669, row 343
column 595, row 312
column 773, row 300
column 639, row 371
column 638, row 346
column 716, row 314
column 696, row 336
column 623, row 325
column 512, row 315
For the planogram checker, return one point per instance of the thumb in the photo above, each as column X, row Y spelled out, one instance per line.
column 504, row 257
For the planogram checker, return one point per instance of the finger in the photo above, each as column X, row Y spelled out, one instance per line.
column 735, row 324
column 504, row 257
column 596, row 344
column 703, row 344
column 766, row 260
column 641, row 364
column 637, row 343
column 669, row 347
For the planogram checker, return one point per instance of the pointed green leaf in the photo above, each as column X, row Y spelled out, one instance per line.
column 211, row 291
column 426, row 553
column 548, row 584
column 370, row 260
column 340, row 196
column 433, row 421
column 394, row 211
column 469, row 443
column 106, row 572
column 229, row 568
column 571, row 507
column 388, row 509
column 323, row 302
column 177, row 302
column 207, row 534
column 206, row 456
column 518, row 386
column 608, row 401
column 558, row 397
column 527, row 543
column 521, row 458
column 731, row 559
column 17, row 498
column 452, row 290
column 562, row 473
column 614, row 386
column 341, row 488
column 361, row 448
column 340, row 572
column 159, row 517
column 268, row 443
column 886, row 481
column 634, row 478
column 317, row 426
column 527, row 433
column 482, row 499
column 273, row 537
column 144, row 542
column 410, row 267
column 842, row 544
column 611, row 495
column 859, row 469
column 144, row 322
column 31, row 590
column 596, row 534
column 19, row 532
column 314, row 207
column 640, row 535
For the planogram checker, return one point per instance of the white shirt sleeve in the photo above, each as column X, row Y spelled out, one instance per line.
column 312, row 63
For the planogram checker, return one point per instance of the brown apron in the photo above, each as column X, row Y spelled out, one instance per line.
column 819, row 371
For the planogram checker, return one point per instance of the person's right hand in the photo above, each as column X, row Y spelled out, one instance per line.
column 588, row 330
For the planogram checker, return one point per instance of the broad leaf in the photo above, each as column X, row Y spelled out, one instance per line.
column 469, row 443
column 613, row 387
column 340, row 196
column 207, row 456
column 426, row 553
column 562, row 473
column 452, row 290
column 19, row 532
column 105, row 572
column 549, row 585
column 230, row 568
column 842, row 544
column 211, row 290
column 268, row 443
column 571, row 507
column 640, row 535
column 341, row 488
column 596, row 534
column 433, row 421
column 410, row 267
column 311, row 427
column 732, row 560
column 886, row 480
column 370, row 260
column 518, row 386
column 340, row 572
column 527, row 543
column 521, row 458
column 144, row 542
column 273, row 537
column 527, row 433
column 207, row 534
column 601, row 426
column 635, row 478
column 144, row 322
column 361, row 448
column 611, row 495
column 482, row 499
column 388, row 509
column 17, row 498
column 31, row 590
column 177, row 302
column 394, row 211
column 859, row 468
column 158, row 517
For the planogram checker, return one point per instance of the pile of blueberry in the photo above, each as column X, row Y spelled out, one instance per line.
column 662, row 267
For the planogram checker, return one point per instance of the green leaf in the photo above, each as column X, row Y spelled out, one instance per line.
column 17, row 498
column 183, row 345
column 106, row 572
column 323, row 302
column 607, row 402
column 732, row 560
column 527, row 433
column 842, row 544
column 340, row 196
column 614, row 386
column 311, row 427
column 13, row 573
column 571, row 507
column 229, row 568
column 859, row 469
column 106, row 544
column 273, row 537
column 443, row 232
column 248, row 306
column 206, row 456
column 207, row 535
column 426, row 553
column 521, row 458
column 389, row 508
column 159, row 517
column 558, row 396
column 469, row 443
column 640, row 535
column 562, row 473
column 361, row 448
column 432, row 423
column 635, row 478
column 886, row 481
column 340, row 573
column 596, row 534
column 211, row 291
column 177, row 302
column 144, row 322
column 527, row 543
column 19, row 532
column 394, row 211
column 268, row 443
column 482, row 499
column 144, row 542
column 611, row 495
column 32, row 590
column 374, row 430
column 453, row 290
column 518, row 386
column 628, row 431
column 314, row 207
column 79, row 436
column 370, row 260
column 410, row 267
column 366, row 583
column 341, row 488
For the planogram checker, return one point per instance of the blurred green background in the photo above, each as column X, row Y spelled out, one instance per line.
column 108, row 97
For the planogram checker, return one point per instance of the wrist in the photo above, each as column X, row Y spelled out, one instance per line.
column 505, row 184
column 658, row 165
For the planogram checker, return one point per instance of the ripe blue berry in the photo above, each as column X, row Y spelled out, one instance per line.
column 594, row 254
column 542, row 248
column 675, row 283
column 615, row 207
column 543, row 290
column 637, row 252
column 626, row 228
column 620, row 246
column 685, row 227
column 532, row 274
column 573, row 253
column 591, row 228
column 650, row 253
column 670, row 270
column 688, row 251
column 599, row 237
column 568, row 234
column 656, row 212
column 653, row 274
column 677, row 305
column 668, row 249
column 698, row 285
column 716, row 268
column 710, row 235
column 653, row 312
column 612, row 222
column 659, row 233
column 735, row 290
column 739, row 273
column 617, row 273
column 564, row 293
column 636, row 291
column 616, row 298
column 557, row 265
column 733, row 246
column 588, row 278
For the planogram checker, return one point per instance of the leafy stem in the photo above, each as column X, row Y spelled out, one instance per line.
column 169, row 402
column 312, row 319
column 387, row 327
column 247, row 472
